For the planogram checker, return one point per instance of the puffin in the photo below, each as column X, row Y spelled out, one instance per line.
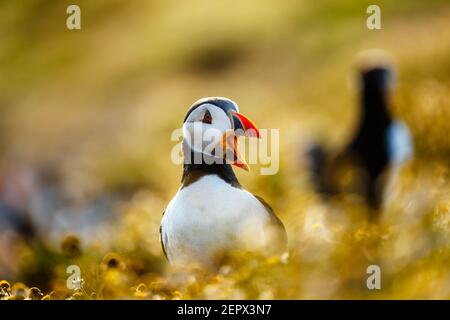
column 212, row 214
column 379, row 146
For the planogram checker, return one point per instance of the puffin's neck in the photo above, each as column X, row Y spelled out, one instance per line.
column 375, row 107
column 375, row 117
column 193, row 172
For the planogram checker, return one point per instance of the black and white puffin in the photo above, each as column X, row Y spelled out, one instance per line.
column 211, row 212
column 379, row 144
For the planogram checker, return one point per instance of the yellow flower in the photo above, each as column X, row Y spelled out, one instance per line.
column 70, row 245
column 5, row 289
column 35, row 294
column 19, row 290
column 113, row 260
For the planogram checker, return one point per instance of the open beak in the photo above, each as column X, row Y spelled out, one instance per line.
column 242, row 126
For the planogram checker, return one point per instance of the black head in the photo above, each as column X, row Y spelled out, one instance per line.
column 225, row 104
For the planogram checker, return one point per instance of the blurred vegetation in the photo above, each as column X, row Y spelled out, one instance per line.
column 95, row 107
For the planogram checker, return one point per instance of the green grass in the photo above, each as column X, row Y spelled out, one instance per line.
column 98, row 105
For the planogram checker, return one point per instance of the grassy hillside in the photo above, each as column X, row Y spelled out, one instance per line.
column 96, row 108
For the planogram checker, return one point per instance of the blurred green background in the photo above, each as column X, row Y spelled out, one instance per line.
column 86, row 117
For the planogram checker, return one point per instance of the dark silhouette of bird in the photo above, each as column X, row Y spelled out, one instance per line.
column 211, row 212
column 379, row 143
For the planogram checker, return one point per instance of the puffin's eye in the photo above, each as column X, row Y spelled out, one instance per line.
column 207, row 117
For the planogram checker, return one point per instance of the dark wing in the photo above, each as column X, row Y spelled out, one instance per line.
column 279, row 232
column 162, row 240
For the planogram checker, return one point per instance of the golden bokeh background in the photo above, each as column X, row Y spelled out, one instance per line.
column 85, row 123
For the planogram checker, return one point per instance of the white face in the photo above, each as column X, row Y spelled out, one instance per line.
column 203, row 130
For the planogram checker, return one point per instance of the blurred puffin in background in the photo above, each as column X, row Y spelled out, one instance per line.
column 211, row 212
column 379, row 145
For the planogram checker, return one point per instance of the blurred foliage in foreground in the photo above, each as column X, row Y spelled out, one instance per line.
column 85, row 125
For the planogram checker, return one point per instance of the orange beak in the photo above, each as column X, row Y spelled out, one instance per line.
column 241, row 126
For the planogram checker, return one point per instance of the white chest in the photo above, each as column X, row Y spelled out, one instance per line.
column 210, row 216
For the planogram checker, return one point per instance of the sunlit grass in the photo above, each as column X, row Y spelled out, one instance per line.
column 98, row 107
